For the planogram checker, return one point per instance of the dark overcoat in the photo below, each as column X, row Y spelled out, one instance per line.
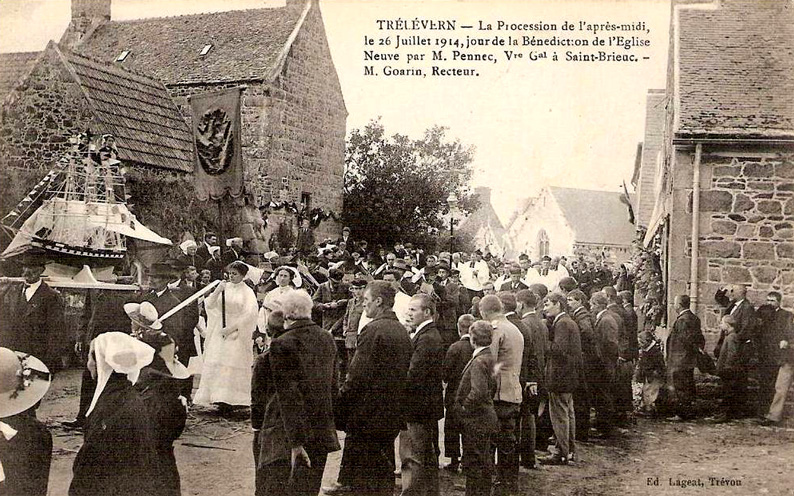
column 474, row 396
column 458, row 355
column 373, row 395
column 683, row 343
column 563, row 361
column 35, row 327
column 160, row 393
column 26, row 457
column 425, row 397
column 299, row 411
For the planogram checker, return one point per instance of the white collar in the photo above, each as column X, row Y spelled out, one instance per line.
column 601, row 313
column 467, row 336
column 478, row 350
column 33, row 287
column 683, row 311
column 528, row 313
column 423, row 325
column 558, row 317
column 509, row 313
column 160, row 293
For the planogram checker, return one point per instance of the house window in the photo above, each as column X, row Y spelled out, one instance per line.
column 206, row 50
column 543, row 243
column 123, row 56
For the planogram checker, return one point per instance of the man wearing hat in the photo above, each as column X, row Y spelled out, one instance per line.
column 234, row 250
column 355, row 308
column 25, row 443
column 514, row 285
column 32, row 315
column 345, row 238
column 330, row 301
column 449, row 294
column 180, row 325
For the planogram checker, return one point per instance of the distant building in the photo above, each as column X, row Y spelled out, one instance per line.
column 484, row 226
column 293, row 115
column 726, row 158
column 572, row 222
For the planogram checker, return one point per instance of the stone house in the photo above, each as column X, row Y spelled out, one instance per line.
column 572, row 222
column 484, row 226
column 727, row 161
column 58, row 94
column 293, row 115
column 650, row 155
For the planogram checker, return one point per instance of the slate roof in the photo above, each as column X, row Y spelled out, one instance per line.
column 736, row 68
column 246, row 44
column 596, row 217
column 13, row 68
column 137, row 110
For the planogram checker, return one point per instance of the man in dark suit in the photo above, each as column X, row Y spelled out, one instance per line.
column 305, row 241
column 529, row 375
column 234, row 251
column 180, row 325
column 743, row 312
column 474, row 406
column 622, row 394
column 784, row 328
column 458, row 355
column 773, row 327
column 449, row 293
column 563, row 366
column 373, row 397
column 514, row 285
column 345, row 238
column 424, row 401
column 591, row 363
column 210, row 240
column 606, row 335
column 32, row 316
column 526, row 306
column 297, row 427
column 683, row 345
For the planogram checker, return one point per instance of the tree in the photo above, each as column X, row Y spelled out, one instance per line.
column 396, row 188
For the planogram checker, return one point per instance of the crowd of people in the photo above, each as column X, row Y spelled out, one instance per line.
column 381, row 344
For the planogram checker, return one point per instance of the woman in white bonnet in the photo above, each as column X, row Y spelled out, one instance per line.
column 189, row 255
column 117, row 456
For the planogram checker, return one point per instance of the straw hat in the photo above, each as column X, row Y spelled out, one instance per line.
column 24, row 380
column 144, row 314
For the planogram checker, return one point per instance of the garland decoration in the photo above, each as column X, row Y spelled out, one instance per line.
column 315, row 215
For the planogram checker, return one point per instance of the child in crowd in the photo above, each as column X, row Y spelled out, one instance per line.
column 475, row 409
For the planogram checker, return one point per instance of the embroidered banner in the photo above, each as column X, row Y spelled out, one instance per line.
column 216, row 135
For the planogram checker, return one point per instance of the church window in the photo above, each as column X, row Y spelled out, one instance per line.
column 206, row 50
column 122, row 56
column 543, row 243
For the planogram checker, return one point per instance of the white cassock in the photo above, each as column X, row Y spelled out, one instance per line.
column 473, row 275
column 400, row 308
column 551, row 280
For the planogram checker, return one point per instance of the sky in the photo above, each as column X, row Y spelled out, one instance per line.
column 532, row 123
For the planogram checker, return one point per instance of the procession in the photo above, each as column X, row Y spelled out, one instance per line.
column 220, row 275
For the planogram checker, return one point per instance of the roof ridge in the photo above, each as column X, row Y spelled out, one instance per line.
column 31, row 52
column 181, row 16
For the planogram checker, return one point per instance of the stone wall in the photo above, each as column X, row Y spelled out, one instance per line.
column 38, row 118
column 36, row 122
column 746, row 225
column 293, row 130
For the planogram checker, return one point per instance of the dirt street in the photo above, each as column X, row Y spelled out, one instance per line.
column 654, row 457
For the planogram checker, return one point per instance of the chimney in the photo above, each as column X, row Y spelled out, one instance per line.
column 87, row 15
